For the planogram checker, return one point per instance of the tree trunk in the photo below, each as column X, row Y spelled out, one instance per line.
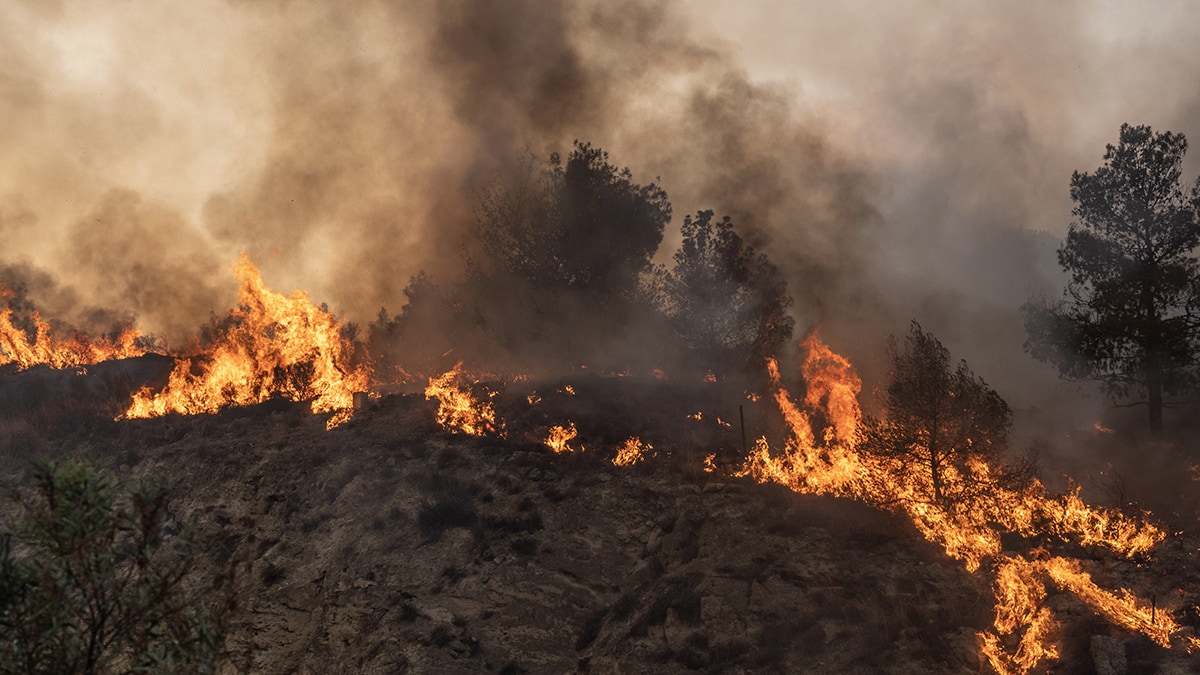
column 935, row 470
column 937, row 484
column 1155, row 389
column 1154, row 385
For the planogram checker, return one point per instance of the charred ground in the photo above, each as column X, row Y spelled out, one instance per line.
column 389, row 545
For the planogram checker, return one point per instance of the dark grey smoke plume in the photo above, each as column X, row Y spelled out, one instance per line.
column 895, row 162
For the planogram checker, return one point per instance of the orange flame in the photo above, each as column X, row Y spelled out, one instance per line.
column 270, row 345
column 559, row 438
column 631, row 452
column 831, row 464
column 458, row 409
column 1019, row 597
column 73, row 350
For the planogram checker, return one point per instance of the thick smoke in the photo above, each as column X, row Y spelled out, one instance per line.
column 972, row 118
column 895, row 163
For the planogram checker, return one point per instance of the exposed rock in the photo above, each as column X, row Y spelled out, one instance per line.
column 1108, row 655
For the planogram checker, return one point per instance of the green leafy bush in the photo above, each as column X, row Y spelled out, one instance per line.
column 100, row 577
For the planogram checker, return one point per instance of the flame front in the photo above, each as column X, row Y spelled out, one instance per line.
column 970, row 532
column 269, row 345
column 70, row 351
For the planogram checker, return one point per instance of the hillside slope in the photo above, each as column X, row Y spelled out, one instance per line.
column 388, row 545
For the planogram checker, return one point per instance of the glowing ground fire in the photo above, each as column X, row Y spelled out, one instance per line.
column 831, row 463
column 559, row 437
column 269, row 345
column 49, row 348
column 459, row 410
column 1021, row 635
column 273, row 345
column 631, row 452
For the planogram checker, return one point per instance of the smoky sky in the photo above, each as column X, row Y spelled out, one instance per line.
column 895, row 160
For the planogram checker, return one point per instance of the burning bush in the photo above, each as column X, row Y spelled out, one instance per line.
column 270, row 345
column 991, row 504
column 26, row 339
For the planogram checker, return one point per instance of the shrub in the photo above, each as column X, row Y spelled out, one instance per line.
column 99, row 577
column 435, row 517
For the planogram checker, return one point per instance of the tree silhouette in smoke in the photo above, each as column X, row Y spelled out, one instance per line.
column 584, row 226
column 1129, row 316
column 726, row 304
column 415, row 342
column 565, row 279
column 565, row 250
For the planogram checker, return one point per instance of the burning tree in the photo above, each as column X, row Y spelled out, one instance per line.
column 942, row 418
column 1129, row 314
column 727, row 305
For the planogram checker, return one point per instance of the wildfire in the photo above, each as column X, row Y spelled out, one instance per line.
column 829, row 463
column 57, row 351
column 458, row 409
column 560, row 437
column 631, row 452
column 269, row 345
column 1019, row 597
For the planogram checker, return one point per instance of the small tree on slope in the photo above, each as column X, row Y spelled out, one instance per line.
column 939, row 417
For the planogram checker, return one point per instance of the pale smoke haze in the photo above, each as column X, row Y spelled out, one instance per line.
column 896, row 160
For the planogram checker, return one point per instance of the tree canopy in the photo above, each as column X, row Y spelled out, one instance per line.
column 564, row 251
column 1128, row 316
column 564, row 277
column 939, row 416
column 584, row 226
column 726, row 303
